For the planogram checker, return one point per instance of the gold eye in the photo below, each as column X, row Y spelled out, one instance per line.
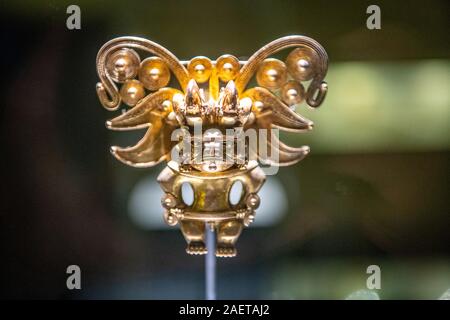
column 292, row 93
column 122, row 65
column 131, row 92
column 227, row 67
column 271, row 74
column 199, row 69
column 154, row 73
column 302, row 63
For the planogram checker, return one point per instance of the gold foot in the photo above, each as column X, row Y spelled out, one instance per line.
column 226, row 251
column 196, row 248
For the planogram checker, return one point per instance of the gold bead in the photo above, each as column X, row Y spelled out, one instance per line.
column 199, row 69
column 271, row 74
column 154, row 73
column 122, row 65
column 171, row 219
column 131, row 92
column 227, row 67
column 168, row 201
column 253, row 201
column 292, row 93
column 302, row 63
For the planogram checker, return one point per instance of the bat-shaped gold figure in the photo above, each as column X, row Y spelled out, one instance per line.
column 188, row 124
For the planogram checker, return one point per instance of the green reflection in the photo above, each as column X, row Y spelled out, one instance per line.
column 341, row 278
column 382, row 107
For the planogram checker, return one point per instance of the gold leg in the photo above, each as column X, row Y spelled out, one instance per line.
column 227, row 234
column 194, row 233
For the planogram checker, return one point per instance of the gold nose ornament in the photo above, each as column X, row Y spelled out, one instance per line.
column 201, row 116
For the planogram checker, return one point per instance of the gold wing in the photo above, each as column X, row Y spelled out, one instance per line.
column 143, row 87
column 280, row 88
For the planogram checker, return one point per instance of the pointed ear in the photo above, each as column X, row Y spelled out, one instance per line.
column 229, row 99
column 193, row 99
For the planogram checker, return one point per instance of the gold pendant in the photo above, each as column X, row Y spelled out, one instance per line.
column 212, row 128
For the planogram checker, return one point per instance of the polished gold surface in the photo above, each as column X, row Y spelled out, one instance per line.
column 301, row 63
column 227, row 67
column 200, row 69
column 210, row 95
column 122, row 65
column 292, row 93
column 154, row 73
column 211, row 205
column 271, row 74
column 132, row 91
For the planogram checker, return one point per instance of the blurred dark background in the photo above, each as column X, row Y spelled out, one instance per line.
column 374, row 190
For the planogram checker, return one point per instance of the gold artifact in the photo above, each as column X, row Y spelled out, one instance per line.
column 199, row 115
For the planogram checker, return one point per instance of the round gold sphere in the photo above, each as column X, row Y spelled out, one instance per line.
column 199, row 69
column 271, row 74
column 168, row 201
column 302, row 63
column 293, row 93
column 122, row 65
column 170, row 218
column 253, row 201
column 227, row 67
column 131, row 92
column 154, row 73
